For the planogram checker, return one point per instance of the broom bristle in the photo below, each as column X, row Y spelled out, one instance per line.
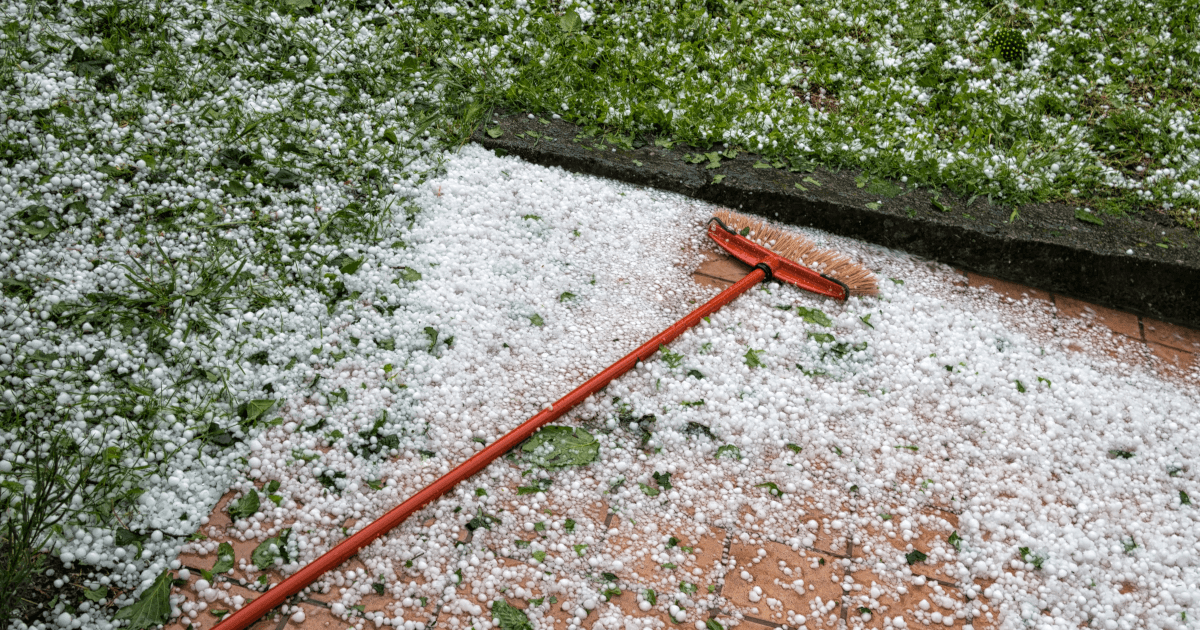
column 800, row 250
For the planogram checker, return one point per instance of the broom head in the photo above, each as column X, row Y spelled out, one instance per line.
column 791, row 257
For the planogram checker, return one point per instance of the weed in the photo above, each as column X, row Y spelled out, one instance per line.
column 672, row 359
column 49, row 486
column 1030, row 557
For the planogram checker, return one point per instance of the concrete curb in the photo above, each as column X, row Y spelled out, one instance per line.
column 1047, row 247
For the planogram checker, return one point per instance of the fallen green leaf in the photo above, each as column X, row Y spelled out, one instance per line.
column 728, row 449
column 153, row 608
column 560, row 446
column 814, row 316
column 509, row 617
column 225, row 558
column 244, row 507
column 569, row 22
column 267, row 551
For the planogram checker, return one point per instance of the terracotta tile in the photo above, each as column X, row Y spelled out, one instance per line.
column 1172, row 335
column 549, row 611
column 911, row 485
column 242, row 551
column 218, row 517
column 726, row 270
column 522, row 582
column 453, row 616
column 708, row 281
column 1015, row 292
column 1172, row 358
column 372, row 603
column 886, row 540
column 1119, row 348
column 582, row 511
column 195, row 561
column 317, row 618
column 980, row 615
column 390, row 604
column 628, row 605
column 546, row 613
column 230, row 584
column 205, row 618
column 774, row 595
column 872, row 598
column 801, row 519
column 559, row 544
column 637, row 547
column 1119, row 322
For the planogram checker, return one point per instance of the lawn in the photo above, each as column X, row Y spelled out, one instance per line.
column 208, row 206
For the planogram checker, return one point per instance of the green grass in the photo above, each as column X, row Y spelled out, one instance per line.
column 1093, row 113
column 166, row 168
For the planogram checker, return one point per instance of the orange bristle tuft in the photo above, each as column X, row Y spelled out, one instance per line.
column 859, row 280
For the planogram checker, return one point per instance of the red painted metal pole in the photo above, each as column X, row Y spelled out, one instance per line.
column 347, row 548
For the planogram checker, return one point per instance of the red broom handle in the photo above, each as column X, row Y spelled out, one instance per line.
column 347, row 548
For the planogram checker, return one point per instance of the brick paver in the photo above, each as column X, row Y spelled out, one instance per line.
column 1173, row 349
column 1011, row 290
column 1173, row 357
column 1171, row 335
column 1119, row 322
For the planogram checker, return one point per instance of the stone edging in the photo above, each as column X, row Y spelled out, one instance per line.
column 1046, row 247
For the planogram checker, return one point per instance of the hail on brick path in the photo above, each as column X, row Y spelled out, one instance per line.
column 925, row 396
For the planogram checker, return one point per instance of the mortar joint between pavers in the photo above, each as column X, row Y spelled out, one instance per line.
column 782, row 541
column 850, row 555
column 725, row 551
column 771, row 623
column 437, row 614
column 726, row 545
column 946, row 510
column 283, row 621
